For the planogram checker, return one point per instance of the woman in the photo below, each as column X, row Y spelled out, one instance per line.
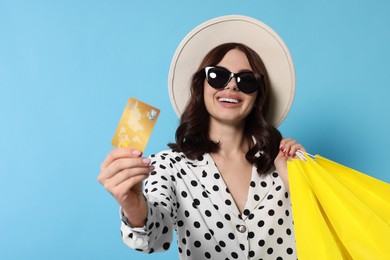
column 223, row 186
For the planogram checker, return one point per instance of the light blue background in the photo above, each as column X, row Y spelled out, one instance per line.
column 68, row 67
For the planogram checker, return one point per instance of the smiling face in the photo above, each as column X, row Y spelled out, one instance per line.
column 229, row 105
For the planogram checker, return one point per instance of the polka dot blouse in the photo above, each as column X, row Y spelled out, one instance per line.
column 191, row 197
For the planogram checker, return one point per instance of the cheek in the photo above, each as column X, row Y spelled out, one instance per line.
column 252, row 104
column 208, row 96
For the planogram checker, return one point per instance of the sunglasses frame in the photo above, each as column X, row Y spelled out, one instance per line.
column 257, row 77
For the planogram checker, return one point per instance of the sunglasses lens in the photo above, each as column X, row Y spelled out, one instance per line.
column 217, row 77
column 247, row 82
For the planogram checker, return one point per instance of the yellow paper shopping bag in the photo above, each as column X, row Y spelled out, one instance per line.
column 339, row 213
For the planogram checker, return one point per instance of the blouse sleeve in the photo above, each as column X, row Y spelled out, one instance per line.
column 159, row 192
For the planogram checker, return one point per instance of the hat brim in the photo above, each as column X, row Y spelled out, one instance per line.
column 241, row 29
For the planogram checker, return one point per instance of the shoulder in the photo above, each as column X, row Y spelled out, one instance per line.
column 169, row 159
column 169, row 156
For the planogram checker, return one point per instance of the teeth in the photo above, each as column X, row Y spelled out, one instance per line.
column 228, row 100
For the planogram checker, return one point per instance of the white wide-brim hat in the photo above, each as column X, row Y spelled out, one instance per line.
column 241, row 29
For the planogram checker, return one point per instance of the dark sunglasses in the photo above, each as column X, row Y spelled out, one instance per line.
column 219, row 77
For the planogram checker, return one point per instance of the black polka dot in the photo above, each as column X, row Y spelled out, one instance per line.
column 165, row 230
column 166, row 246
column 219, row 224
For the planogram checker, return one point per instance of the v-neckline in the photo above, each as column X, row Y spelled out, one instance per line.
column 234, row 206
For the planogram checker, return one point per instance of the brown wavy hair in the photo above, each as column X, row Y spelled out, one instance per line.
column 192, row 135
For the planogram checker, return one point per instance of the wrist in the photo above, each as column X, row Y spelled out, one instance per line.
column 135, row 214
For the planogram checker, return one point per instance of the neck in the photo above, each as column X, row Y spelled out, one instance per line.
column 231, row 139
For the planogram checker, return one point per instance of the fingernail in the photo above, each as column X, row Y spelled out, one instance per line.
column 146, row 161
column 136, row 152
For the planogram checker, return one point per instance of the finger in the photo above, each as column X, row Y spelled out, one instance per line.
column 294, row 148
column 286, row 145
column 121, row 164
column 125, row 175
column 280, row 156
column 121, row 191
column 290, row 147
column 120, row 153
column 284, row 141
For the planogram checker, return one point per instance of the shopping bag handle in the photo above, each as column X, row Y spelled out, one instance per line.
column 302, row 155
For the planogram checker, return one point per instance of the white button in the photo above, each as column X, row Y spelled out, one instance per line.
column 241, row 228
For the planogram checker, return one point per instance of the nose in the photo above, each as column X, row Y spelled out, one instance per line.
column 232, row 84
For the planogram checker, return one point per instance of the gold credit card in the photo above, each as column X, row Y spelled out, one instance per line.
column 136, row 125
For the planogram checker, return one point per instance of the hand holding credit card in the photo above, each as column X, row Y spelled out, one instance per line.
column 136, row 125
